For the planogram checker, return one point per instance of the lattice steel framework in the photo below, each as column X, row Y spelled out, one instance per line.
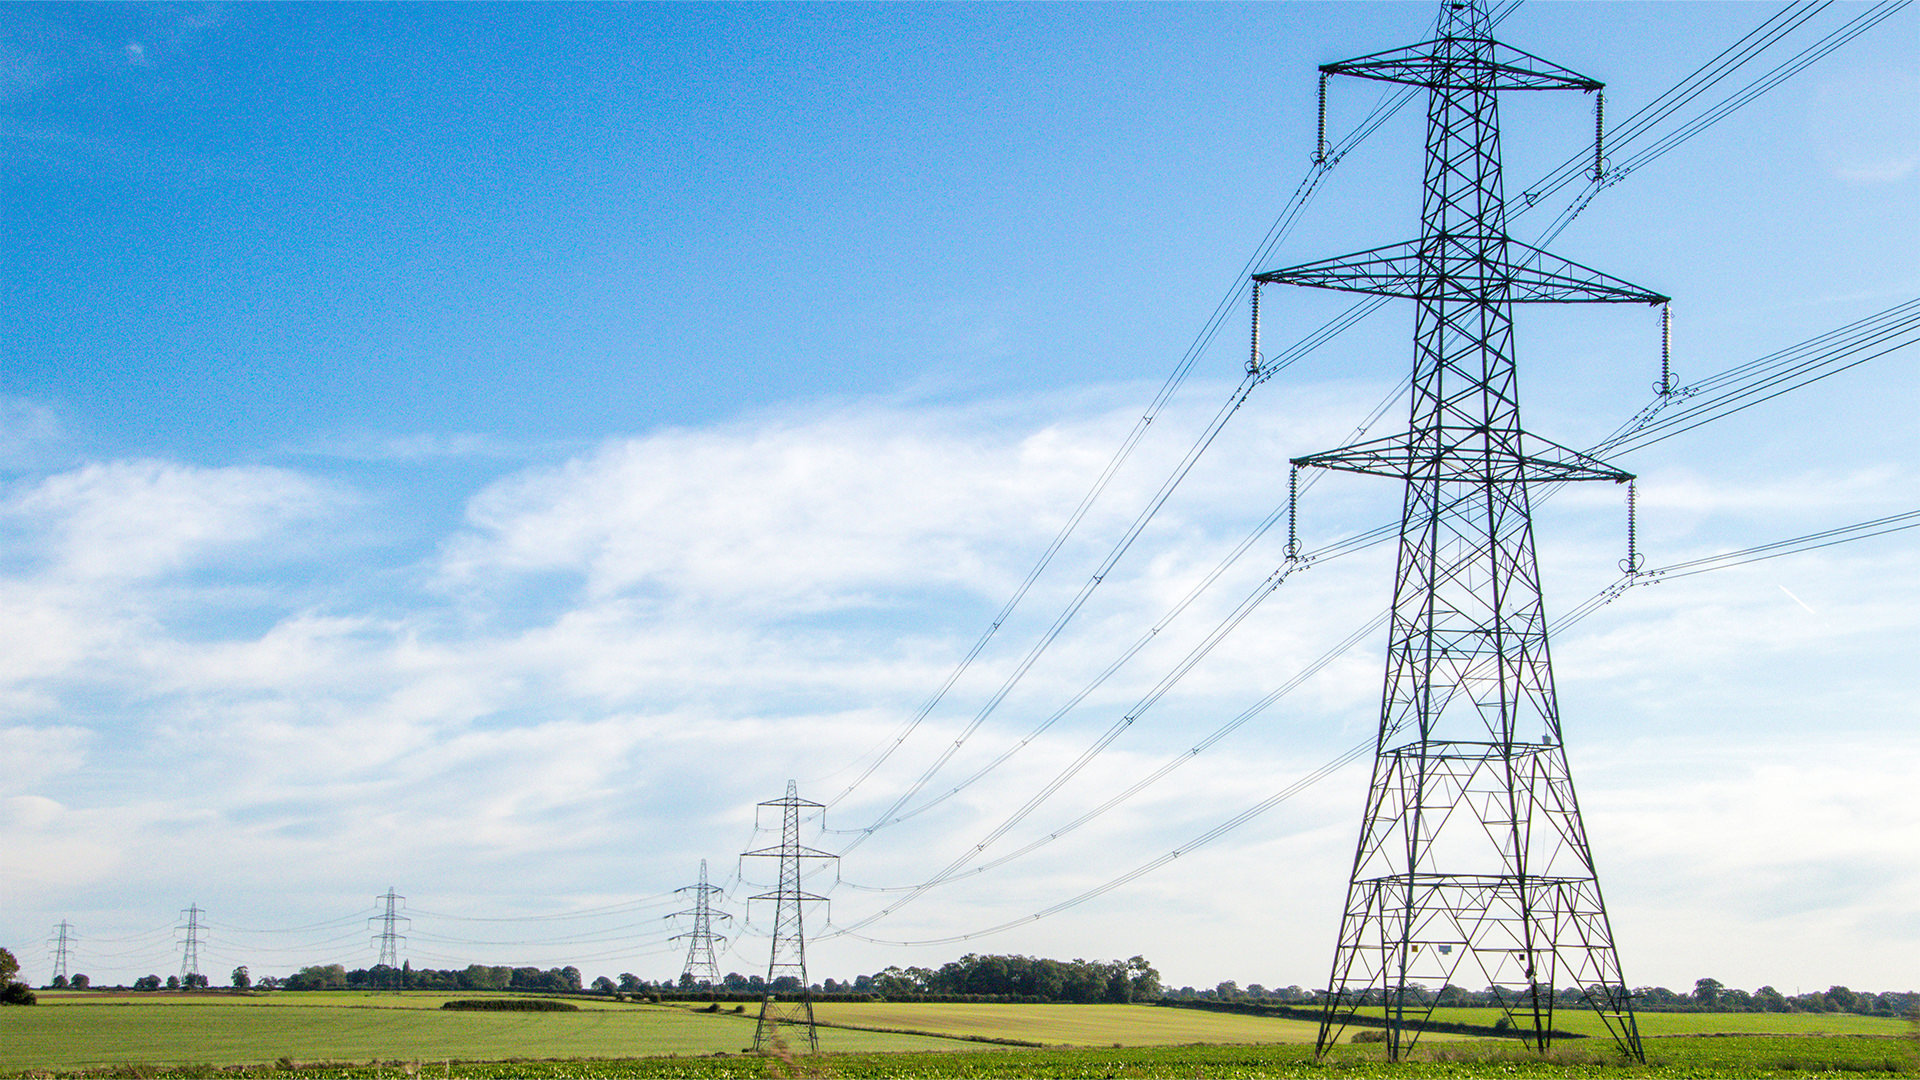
column 703, row 967
column 62, row 948
column 789, row 1006
column 190, row 944
column 1472, row 867
column 389, row 939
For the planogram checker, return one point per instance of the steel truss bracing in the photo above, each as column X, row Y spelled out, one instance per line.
column 62, row 947
column 789, row 1000
column 703, row 967
column 1473, row 868
column 190, row 944
column 389, row 939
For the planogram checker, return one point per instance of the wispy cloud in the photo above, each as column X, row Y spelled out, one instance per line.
column 599, row 672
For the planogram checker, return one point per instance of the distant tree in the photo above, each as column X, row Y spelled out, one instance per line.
column 1767, row 999
column 686, row 980
column 79, row 982
column 1706, row 993
column 59, row 983
column 1143, row 982
column 147, row 982
column 1843, row 999
column 241, row 980
column 173, row 982
column 569, row 978
column 629, row 983
column 603, row 985
column 1227, row 991
column 318, row 977
column 9, row 966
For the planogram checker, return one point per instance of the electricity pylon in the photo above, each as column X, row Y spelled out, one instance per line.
column 1472, row 866
column 389, row 939
column 703, row 968
column 789, row 954
column 63, row 936
column 190, row 945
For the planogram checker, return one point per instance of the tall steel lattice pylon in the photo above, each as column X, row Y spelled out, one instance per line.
column 703, row 967
column 190, row 944
column 62, row 946
column 789, row 1005
column 389, row 939
column 1472, row 867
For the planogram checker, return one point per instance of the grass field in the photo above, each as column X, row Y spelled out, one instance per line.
column 173, row 1035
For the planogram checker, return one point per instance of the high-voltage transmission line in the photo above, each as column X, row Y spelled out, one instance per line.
column 1472, row 865
column 703, row 967
column 62, row 943
column 190, row 944
column 788, row 959
column 389, row 939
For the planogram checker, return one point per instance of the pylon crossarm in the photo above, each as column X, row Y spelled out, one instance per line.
column 1398, row 457
column 787, row 895
column 780, row 850
column 1440, row 65
column 1413, row 270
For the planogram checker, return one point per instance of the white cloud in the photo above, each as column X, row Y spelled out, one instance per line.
column 27, row 429
column 804, row 513
column 589, row 685
column 142, row 518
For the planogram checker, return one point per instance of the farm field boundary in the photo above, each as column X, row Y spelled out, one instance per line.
column 1670, row 1058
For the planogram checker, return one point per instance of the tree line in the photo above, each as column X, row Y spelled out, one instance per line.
column 1708, row 995
column 978, row 977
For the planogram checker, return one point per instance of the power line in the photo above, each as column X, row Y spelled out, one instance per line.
column 702, row 967
column 1791, row 362
column 1825, row 538
column 789, row 1000
column 190, row 945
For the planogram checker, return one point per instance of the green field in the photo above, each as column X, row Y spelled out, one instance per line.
column 1068, row 1025
column 69, row 1030
column 1585, row 1022
column 347, row 1036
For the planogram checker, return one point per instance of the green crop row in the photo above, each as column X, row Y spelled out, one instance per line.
column 1734, row 1056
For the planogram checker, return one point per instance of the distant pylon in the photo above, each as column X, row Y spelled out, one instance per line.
column 63, row 935
column 389, row 939
column 703, row 967
column 190, row 945
column 1472, row 867
column 789, row 954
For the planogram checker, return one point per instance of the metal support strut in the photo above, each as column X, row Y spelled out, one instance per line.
column 1472, row 866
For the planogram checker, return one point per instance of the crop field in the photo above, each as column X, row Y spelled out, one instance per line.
column 72, row 1030
column 1585, row 1022
column 1067, row 1025
column 347, row 1036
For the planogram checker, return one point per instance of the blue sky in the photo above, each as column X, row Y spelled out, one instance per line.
column 485, row 449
